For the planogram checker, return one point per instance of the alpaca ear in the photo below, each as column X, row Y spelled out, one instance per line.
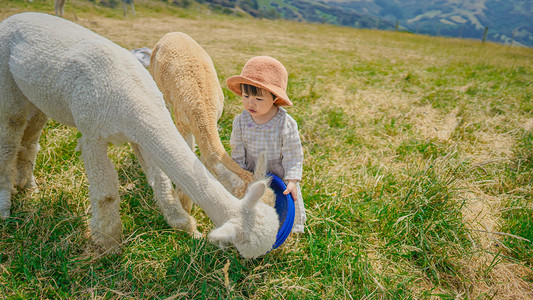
column 255, row 192
column 261, row 166
column 223, row 235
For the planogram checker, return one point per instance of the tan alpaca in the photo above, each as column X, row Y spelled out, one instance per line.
column 185, row 74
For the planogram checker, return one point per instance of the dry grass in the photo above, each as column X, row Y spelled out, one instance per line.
column 503, row 279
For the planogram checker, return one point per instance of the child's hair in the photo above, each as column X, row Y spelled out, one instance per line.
column 252, row 90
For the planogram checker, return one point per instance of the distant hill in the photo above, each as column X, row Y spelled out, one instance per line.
column 509, row 21
column 303, row 11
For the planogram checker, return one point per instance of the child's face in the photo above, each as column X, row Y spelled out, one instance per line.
column 260, row 105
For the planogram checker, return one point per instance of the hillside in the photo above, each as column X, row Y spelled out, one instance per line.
column 508, row 21
column 418, row 172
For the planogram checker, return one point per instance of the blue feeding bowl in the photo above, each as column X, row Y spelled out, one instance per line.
column 285, row 209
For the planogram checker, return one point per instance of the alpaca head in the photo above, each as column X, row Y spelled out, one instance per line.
column 253, row 228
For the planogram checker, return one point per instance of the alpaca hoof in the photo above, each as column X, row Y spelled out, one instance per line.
column 117, row 250
column 192, row 228
column 108, row 246
column 33, row 190
column 106, row 242
column 5, row 203
column 196, row 234
column 4, row 214
column 101, row 250
column 183, row 222
column 32, row 186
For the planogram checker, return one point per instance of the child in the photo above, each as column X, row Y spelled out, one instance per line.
column 265, row 126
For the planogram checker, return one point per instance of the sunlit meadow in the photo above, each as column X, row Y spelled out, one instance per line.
column 417, row 181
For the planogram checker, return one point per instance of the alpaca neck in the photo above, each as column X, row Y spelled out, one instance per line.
column 172, row 155
column 214, row 153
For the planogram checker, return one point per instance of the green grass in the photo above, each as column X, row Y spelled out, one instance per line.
column 417, row 177
column 518, row 213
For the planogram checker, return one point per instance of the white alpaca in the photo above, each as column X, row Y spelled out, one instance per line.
column 185, row 74
column 50, row 67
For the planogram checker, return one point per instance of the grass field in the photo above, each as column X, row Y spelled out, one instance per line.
column 418, row 176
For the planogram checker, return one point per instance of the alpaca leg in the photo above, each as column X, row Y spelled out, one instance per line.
column 13, row 119
column 164, row 195
column 28, row 151
column 189, row 138
column 59, row 6
column 106, row 227
column 11, row 131
column 185, row 201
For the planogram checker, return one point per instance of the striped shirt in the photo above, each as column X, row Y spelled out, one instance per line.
column 278, row 137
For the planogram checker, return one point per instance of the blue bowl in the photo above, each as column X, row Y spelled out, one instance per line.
column 284, row 207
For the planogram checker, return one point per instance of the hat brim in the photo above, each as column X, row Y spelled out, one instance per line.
column 234, row 84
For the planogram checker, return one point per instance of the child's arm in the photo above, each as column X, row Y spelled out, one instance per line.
column 237, row 146
column 292, row 152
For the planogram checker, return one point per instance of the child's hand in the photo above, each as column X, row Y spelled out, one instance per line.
column 291, row 188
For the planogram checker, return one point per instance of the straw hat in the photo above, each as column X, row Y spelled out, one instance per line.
column 263, row 72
